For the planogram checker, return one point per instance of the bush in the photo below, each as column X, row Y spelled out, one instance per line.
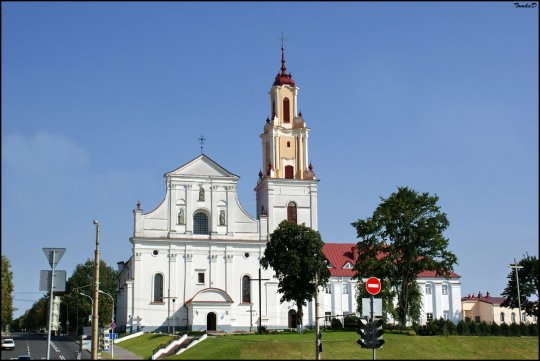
column 483, row 329
column 462, row 328
column 504, row 329
column 451, row 327
column 351, row 322
column 514, row 329
column 336, row 324
column 533, row 329
column 523, row 329
column 473, row 329
column 494, row 329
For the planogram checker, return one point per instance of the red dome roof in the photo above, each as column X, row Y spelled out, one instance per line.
column 283, row 78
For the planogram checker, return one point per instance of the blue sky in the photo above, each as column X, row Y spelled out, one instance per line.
column 99, row 100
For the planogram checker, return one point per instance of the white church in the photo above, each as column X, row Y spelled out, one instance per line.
column 195, row 257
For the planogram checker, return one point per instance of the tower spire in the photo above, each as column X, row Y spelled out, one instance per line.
column 283, row 67
column 282, row 77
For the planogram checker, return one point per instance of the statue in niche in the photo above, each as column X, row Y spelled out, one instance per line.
column 222, row 217
column 201, row 194
column 181, row 216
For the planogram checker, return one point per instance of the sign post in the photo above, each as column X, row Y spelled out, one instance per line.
column 53, row 256
column 373, row 286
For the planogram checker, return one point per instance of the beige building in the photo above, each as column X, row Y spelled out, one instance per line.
column 488, row 308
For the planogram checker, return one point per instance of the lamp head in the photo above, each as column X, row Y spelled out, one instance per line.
column 95, row 221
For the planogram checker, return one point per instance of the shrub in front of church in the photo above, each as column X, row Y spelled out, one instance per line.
column 336, row 324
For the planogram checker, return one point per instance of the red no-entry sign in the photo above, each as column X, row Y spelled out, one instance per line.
column 373, row 286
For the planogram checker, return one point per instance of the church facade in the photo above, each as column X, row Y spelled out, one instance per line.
column 195, row 258
column 195, row 262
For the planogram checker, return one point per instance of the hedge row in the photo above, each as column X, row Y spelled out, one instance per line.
column 469, row 328
column 446, row 327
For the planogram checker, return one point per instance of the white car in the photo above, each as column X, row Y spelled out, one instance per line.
column 8, row 344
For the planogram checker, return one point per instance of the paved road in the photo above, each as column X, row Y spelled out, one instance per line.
column 35, row 345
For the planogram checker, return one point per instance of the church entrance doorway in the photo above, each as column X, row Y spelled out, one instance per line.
column 292, row 319
column 211, row 321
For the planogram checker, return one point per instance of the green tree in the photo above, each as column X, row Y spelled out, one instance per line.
column 7, row 292
column 295, row 253
column 528, row 286
column 82, row 280
column 402, row 238
column 36, row 317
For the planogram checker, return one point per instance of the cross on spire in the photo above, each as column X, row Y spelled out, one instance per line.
column 202, row 139
column 282, row 38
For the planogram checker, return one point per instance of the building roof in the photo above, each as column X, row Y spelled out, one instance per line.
column 487, row 298
column 283, row 78
column 339, row 254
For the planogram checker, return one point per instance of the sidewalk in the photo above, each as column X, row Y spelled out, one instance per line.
column 120, row 354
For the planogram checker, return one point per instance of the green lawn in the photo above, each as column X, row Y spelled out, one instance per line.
column 144, row 345
column 342, row 345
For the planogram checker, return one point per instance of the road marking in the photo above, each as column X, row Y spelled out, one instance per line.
column 54, row 346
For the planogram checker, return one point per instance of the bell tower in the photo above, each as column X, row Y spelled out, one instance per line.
column 287, row 186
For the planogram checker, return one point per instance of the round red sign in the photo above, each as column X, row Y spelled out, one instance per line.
column 373, row 286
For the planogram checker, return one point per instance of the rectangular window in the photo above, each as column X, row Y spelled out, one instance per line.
column 523, row 317
column 200, row 278
column 446, row 315
column 444, row 289
column 328, row 316
column 502, row 317
column 477, row 319
column 428, row 289
column 345, row 288
column 328, row 288
column 429, row 316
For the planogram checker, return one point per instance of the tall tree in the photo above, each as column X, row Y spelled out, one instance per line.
column 7, row 292
column 82, row 280
column 295, row 253
column 528, row 286
column 402, row 238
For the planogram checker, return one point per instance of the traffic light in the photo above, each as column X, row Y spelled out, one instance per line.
column 377, row 333
column 364, row 330
column 319, row 341
column 371, row 333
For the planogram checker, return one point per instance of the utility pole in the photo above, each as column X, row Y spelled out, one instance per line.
column 317, row 328
column 95, row 314
column 169, row 297
column 260, row 297
column 516, row 267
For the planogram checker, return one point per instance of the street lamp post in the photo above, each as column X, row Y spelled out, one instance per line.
column 112, row 320
column 91, row 300
column 95, row 314
column 112, row 299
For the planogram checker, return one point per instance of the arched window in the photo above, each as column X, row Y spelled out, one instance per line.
column 200, row 223
column 513, row 317
column 246, row 289
column 502, row 317
column 286, row 116
column 289, row 172
column 158, row 287
column 291, row 212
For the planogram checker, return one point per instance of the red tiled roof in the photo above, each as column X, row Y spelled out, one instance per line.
column 338, row 254
column 432, row 274
column 494, row 300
